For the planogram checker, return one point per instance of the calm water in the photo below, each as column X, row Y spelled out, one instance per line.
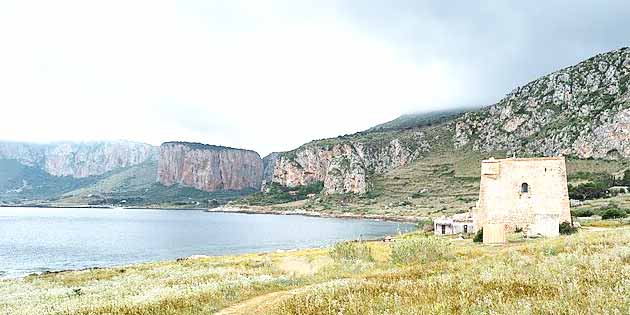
column 37, row 240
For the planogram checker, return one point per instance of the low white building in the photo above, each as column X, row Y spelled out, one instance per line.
column 460, row 223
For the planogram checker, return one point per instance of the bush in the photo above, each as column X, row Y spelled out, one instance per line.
column 626, row 178
column 351, row 251
column 425, row 225
column 478, row 237
column 614, row 213
column 567, row 228
column 281, row 194
column 582, row 213
column 586, row 191
column 420, row 250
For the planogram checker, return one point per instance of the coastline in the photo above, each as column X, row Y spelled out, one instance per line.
column 302, row 212
column 193, row 257
column 10, row 274
column 242, row 210
column 96, row 207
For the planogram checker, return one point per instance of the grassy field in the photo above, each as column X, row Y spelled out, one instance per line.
column 585, row 273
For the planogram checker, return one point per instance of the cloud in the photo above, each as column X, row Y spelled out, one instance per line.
column 271, row 75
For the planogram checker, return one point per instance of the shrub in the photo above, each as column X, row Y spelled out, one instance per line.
column 425, row 225
column 585, row 191
column 626, row 178
column 277, row 193
column 420, row 250
column 567, row 228
column 351, row 251
column 582, row 213
column 478, row 237
column 614, row 213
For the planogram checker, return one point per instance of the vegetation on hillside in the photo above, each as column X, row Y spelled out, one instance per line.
column 277, row 194
column 133, row 186
column 20, row 182
column 419, row 120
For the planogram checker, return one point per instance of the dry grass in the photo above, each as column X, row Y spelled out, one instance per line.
column 199, row 286
column 588, row 273
column 579, row 274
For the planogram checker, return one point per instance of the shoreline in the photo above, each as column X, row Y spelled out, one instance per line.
column 315, row 214
column 3, row 273
column 6, row 275
column 243, row 210
column 96, row 207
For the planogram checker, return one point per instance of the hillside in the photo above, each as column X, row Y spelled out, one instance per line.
column 78, row 159
column 581, row 111
column 418, row 120
column 97, row 174
column 425, row 163
column 429, row 163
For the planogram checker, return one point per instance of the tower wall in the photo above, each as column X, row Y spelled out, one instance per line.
column 502, row 201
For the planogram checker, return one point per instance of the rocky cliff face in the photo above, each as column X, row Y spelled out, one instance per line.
column 269, row 165
column 208, row 167
column 78, row 159
column 583, row 111
column 344, row 165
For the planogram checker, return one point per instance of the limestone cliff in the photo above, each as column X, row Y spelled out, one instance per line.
column 344, row 165
column 208, row 167
column 269, row 165
column 582, row 111
column 78, row 159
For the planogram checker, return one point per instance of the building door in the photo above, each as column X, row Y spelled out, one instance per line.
column 443, row 229
column 465, row 228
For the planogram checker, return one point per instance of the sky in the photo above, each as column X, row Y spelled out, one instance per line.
column 272, row 75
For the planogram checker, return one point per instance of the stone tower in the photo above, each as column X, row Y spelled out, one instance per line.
column 527, row 193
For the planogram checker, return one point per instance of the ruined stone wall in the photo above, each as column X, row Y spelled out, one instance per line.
column 502, row 202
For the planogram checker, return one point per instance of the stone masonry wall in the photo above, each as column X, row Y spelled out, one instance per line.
column 501, row 200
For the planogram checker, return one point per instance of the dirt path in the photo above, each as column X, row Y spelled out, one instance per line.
column 263, row 303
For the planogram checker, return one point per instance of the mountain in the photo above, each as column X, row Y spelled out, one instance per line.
column 344, row 164
column 78, row 160
column 209, row 167
column 32, row 172
column 582, row 111
column 418, row 120
column 177, row 174
column 418, row 161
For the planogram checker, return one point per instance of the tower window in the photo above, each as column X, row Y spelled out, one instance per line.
column 524, row 188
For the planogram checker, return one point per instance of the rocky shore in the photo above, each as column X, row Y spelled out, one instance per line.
column 302, row 212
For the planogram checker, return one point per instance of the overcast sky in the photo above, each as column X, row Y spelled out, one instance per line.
column 271, row 75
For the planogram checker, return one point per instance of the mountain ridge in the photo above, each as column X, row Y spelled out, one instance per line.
column 581, row 111
column 528, row 121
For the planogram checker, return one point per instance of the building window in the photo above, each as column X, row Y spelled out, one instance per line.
column 524, row 188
